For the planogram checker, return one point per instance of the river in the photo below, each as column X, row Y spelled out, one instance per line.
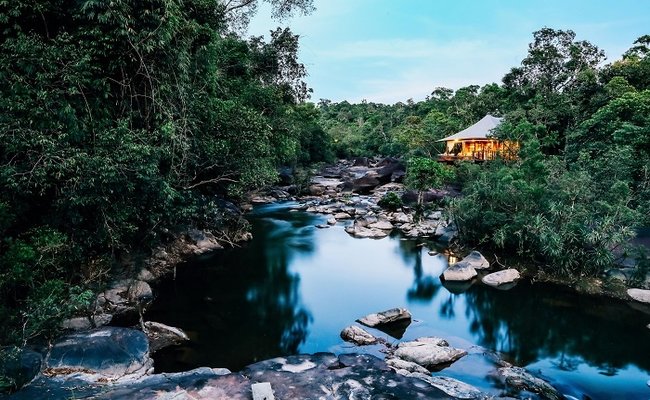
column 294, row 287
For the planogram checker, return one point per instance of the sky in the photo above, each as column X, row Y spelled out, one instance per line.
column 386, row 51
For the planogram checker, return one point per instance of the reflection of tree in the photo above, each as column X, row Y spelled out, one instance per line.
column 534, row 321
column 241, row 305
column 424, row 287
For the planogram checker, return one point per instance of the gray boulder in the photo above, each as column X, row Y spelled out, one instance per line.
column 358, row 336
column 161, row 335
column 640, row 295
column 428, row 352
column 107, row 353
column 386, row 317
column 476, row 260
column 499, row 278
column 459, row 272
column 382, row 224
column 406, row 367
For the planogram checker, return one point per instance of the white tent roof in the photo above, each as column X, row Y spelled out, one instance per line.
column 479, row 130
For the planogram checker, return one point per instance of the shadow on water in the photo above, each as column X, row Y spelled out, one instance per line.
column 239, row 305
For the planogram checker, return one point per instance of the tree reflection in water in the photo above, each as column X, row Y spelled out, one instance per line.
column 235, row 311
column 532, row 322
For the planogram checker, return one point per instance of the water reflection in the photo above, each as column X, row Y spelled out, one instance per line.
column 531, row 322
column 294, row 287
column 241, row 305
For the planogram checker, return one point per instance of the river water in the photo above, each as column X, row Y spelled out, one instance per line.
column 295, row 287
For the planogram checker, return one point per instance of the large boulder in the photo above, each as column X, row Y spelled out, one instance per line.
column 202, row 241
column 123, row 297
column 161, row 335
column 358, row 336
column 361, row 232
column 476, row 260
column 459, row 272
column 429, row 352
column 406, row 367
column 102, row 354
column 641, row 295
column 364, row 184
column 499, row 278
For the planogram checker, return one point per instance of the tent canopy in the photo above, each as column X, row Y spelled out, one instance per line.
column 480, row 130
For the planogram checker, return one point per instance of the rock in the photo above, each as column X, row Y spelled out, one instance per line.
column 364, row 184
column 476, row 260
column 521, row 379
column 501, row 277
column 402, row 365
column 321, row 375
column 262, row 391
column 146, row 275
column 262, row 200
column 361, row 232
column 451, row 386
column 161, row 335
column 203, row 241
column 358, row 336
column 640, row 295
column 19, row 365
column 459, row 272
column 101, row 354
column 401, row 218
column 124, row 296
column 428, row 352
column 139, row 291
column 342, row 215
column 386, row 317
column 393, row 322
column 85, row 323
column 366, row 221
column 433, row 253
column 322, row 226
column 316, row 190
column 331, row 221
column 383, row 224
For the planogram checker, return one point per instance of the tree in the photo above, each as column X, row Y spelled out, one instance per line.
column 423, row 174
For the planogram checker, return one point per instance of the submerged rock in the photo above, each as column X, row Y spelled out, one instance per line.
column 429, row 352
column 499, row 278
column 521, row 379
column 641, row 295
column 358, row 336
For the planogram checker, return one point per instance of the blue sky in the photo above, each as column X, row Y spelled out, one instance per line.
column 392, row 50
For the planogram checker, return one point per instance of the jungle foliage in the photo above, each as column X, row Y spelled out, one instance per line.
column 121, row 120
column 581, row 184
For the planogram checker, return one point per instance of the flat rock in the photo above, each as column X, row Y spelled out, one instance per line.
column 428, row 352
column 383, row 224
column 501, row 277
column 161, row 335
column 521, row 379
column 358, row 336
column 107, row 353
column 641, row 295
column 451, row 386
column 85, row 323
column 386, row 317
column 371, row 233
column 342, row 215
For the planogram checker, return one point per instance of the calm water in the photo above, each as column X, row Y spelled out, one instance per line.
column 294, row 287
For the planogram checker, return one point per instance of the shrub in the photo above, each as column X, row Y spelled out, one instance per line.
column 390, row 201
